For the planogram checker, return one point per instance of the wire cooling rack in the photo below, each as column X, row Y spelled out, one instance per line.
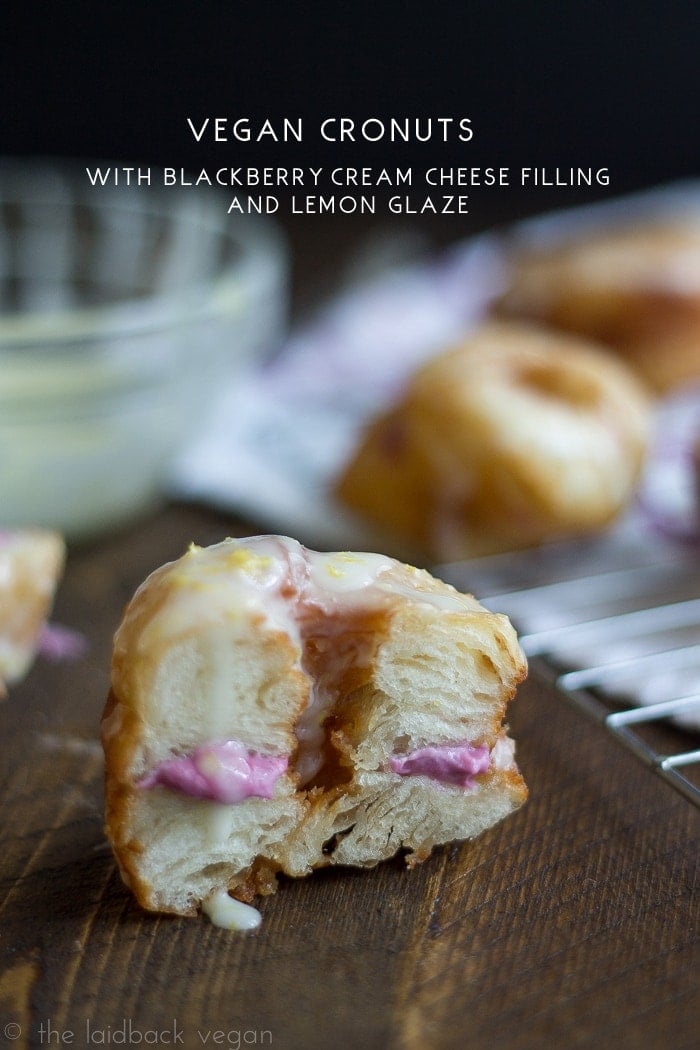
column 615, row 624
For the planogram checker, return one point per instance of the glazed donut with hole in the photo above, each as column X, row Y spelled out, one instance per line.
column 517, row 436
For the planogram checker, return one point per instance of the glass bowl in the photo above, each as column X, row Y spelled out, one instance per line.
column 123, row 309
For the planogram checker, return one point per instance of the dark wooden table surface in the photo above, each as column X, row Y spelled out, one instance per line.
column 574, row 923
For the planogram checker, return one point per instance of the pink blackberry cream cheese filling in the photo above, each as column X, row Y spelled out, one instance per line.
column 456, row 764
column 226, row 773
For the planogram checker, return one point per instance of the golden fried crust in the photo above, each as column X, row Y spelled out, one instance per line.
column 635, row 290
column 515, row 437
column 119, row 744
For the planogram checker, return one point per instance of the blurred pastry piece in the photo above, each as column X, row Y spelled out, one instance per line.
column 516, row 437
column 635, row 289
column 31, row 562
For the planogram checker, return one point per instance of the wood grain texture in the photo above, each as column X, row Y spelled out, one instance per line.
column 573, row 924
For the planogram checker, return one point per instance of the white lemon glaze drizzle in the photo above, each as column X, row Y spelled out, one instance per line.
column 227, row 913
column 219, row 819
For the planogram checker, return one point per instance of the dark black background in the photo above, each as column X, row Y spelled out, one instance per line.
column 592, row 84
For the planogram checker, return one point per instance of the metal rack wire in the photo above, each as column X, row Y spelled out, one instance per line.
column 615, row 624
